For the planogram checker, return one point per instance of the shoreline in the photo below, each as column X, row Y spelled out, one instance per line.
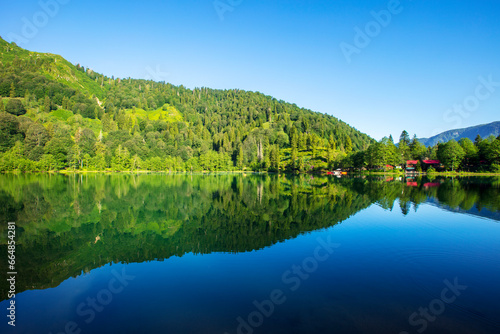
column 450, row 174
column 366, row 173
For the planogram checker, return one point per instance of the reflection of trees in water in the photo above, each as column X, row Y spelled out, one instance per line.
column 456, row 193
column 75, row 223
column 67, row 224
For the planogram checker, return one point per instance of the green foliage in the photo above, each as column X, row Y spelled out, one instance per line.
column 380, row 154
column 161, row 126
column 274, row 158
column 471, row 153
column 494, row 152
column 36, row 138
column 404, row 138
column 167, row 113
column 85, row 139
column 495, row 168
column 61, row 114
column 481, row 155
column 451, row 154
column 9, row 131
column 15, row 107
column 417, row 149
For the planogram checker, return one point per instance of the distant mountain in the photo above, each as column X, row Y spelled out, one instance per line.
column 474, row 211
column 484, row 130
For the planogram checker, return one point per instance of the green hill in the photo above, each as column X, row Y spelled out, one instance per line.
column 55, row 115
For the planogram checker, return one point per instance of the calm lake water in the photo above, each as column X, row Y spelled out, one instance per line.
column 251, row 254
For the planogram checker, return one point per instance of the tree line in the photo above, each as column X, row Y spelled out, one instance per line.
column 482, row 155
column 55, row 116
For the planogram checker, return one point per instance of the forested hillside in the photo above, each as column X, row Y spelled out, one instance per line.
column 55, row 115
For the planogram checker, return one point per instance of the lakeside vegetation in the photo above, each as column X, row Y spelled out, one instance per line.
column 465, row 156
column 57, row 116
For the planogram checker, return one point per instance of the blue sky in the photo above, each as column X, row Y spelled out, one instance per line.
column 426, row 69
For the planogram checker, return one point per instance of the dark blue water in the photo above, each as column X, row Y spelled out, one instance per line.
column 423, row 270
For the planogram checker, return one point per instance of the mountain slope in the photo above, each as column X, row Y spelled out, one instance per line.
column 484, row 130
column 72, row 111
column 53, row 67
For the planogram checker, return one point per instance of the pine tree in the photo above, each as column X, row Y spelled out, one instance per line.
column 293, row 162
column 332, row 144
column 302, row 141
column 27, row 97
column 301, row 164
column 106, row 123
column 64, row 103
column 330, row 156
column 240, row 157
column 404, row 147
column 12, row 90
column 100, row 158
column 274, row 158
column 348, row 145
column 478, row 140
column 294, row 142
column 46, row 104
column 404, row 138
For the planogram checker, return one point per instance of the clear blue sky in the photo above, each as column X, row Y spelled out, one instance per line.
column 415, row 68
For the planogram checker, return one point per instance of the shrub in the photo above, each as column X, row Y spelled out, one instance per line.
column 15, row 107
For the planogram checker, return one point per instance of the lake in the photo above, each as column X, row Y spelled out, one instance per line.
column 232, row 253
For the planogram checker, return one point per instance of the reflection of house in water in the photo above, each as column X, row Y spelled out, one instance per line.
column 431, row 184
column 411, row 182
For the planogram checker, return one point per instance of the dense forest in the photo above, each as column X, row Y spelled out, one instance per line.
column 55, row 116
column 482, row 155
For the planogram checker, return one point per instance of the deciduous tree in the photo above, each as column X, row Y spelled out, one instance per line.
column 451, row 154
column 15, row 107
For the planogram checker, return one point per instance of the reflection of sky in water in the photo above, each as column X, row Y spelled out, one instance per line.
column 387, row 266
